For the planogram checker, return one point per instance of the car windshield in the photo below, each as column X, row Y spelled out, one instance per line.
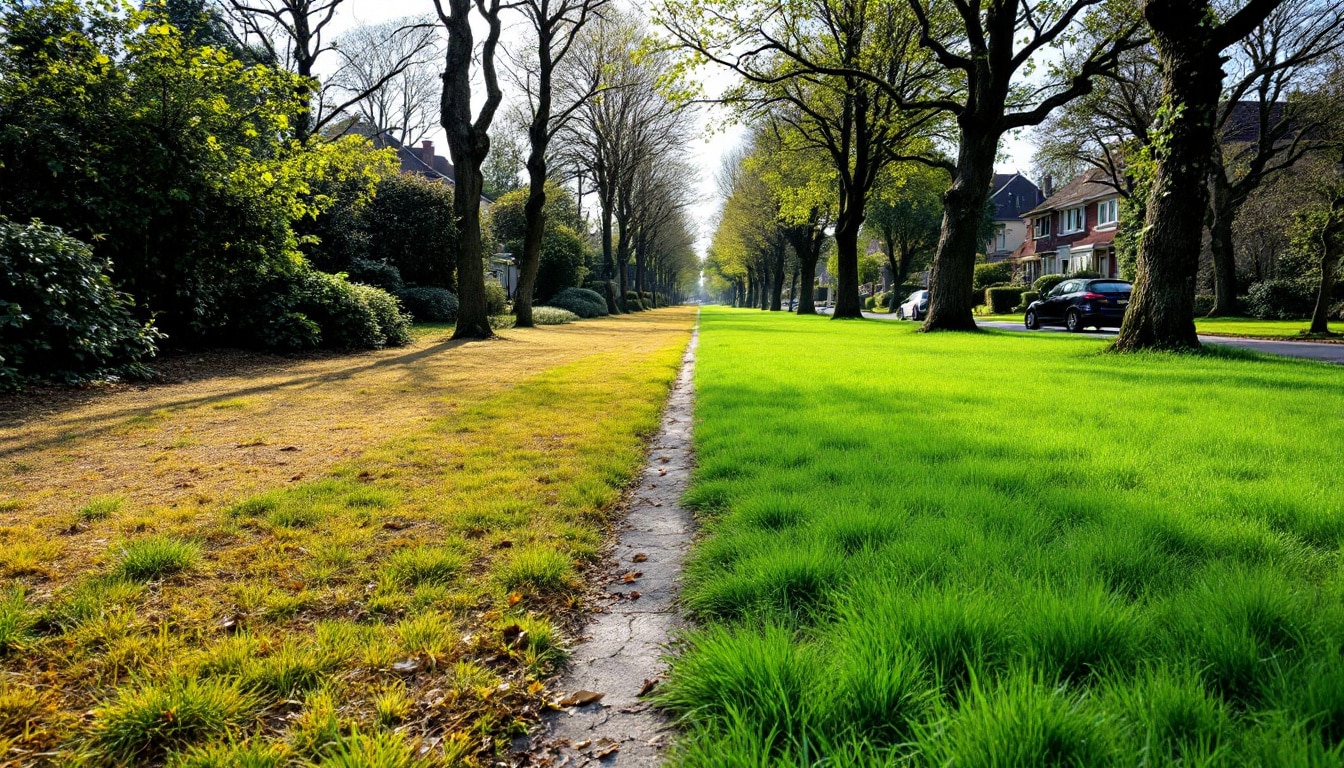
column 916, row 296
column 1111, row 286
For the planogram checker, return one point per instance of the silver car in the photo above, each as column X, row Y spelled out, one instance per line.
column 916, row 306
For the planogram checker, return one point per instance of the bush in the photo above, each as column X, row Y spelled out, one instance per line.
column 633, row 302
column 552, row 316
column 1086, row 274
column 429, row 305
column 991, row 274
column 376, row 274
column 1002, row 299
column 410, row 226
column 60, row 316
column 562, row 251
column 1282, row 299
column 1027, row 298
column 322, row 310
column 1044, row 283
column 581, row 301
column 869, row 303
column 1337, row 311
column 496, row 300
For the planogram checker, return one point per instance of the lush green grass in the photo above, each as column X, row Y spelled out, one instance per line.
column 1008, row 550
column 1249, row 326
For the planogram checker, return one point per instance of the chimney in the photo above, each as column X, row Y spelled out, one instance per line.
column 1047, row 184
column 427, row 152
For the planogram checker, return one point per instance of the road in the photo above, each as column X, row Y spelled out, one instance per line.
column 1305, row 350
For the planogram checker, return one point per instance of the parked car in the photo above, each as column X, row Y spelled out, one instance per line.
column 1077, row 304
column 915, row 307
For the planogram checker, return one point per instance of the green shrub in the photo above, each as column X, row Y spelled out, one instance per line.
column 429, row 305
column 376, row 274
column 991, row 274
column 496, row 299
column 869, row 303
column 1282, row 299
column 1337, row 311
column 562, row 252
column 552, row 316
column 633, row 302
column 343, row 314
column 1086, row 274
column 410, row 226
column 1003, row 298
column 1027, row 298
column 1044, row 283
column 61, row 319
column 1204, row 304
column 580, row 301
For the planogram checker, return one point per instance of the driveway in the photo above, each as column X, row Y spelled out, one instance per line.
column 1305, row 350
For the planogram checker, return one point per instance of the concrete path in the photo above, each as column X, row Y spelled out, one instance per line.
column 622, row 656
column 1305, row 350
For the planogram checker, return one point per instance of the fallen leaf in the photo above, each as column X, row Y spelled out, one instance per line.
column 289, row 448
column 296, row 478
column 662, row 472
column 581, row 744
column 657, row 503
column 648, row 686
column 605, row 748
column 535, row 687
column 581, row 698
column 396, row 525
column 407, row 666
column 639, row 558
column 515, row 598
column 634, row 595
column 664, row 459
column 505, row 544
column 631, row 576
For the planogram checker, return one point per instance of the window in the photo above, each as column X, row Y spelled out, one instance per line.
column 1043, row 226
column 1001, row 238
column 1112, row 286
column 1107, row 212
column 1073, row 221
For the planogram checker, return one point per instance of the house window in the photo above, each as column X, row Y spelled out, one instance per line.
column 1107, row 212
column 1043, row 227
column 1001, row 238
column 1073, row 221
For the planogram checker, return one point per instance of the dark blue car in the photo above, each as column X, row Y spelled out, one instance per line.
column 1078, row 303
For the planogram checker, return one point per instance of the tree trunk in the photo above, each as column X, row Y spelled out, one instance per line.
column 953, row 272
column 777, row 290
column 1223, row 212
column 534, row 222
column 793, row 289
column 847, row 304
column 614, row 307
column 622, row 259
column 1161, row 312
column 1332, row 247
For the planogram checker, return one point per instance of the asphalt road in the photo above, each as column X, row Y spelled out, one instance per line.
column 1306, row 350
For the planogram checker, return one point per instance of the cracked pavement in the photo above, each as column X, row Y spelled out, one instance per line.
column 628, row 639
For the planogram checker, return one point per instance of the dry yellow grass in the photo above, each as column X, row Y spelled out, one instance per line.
column 339, row 544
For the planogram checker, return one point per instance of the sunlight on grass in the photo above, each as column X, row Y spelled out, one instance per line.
column 1008, row 550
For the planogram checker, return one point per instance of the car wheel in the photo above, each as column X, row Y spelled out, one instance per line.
column 914, row 314
column 900, row 313
column 1033, row 323
column 1073, row 320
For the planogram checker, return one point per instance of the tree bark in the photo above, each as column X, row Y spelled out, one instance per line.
column 1223, row 211
column 847, row 304
column 777, row 290
column 534, row 210
column 1161, row 311
column 953, row 272
column 1332, row 247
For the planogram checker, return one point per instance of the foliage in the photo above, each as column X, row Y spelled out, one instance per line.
column 61, row 318
column 496, row 299
column 1281, row 298
column 580, row 301
column 1027, row 298
column 335, row 237
column 329, row 311
column 1045, row 283
column 1003, row 299
column 986, row 275
column 409, row 225
column 376, row 274
column 1013, row 607
column 429, row 305
column 563, row 251
column 546, row 315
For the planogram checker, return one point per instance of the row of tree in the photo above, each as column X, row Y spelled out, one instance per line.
column 879, row 84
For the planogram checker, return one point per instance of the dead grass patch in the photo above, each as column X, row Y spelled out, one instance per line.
column 326, row 561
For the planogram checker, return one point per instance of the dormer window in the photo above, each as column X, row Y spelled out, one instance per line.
column 1107, row 212
column 1042, row 227
column 1073, row 221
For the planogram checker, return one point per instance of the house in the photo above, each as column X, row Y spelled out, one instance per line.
column 1012, row 195
column 419, row 161
column 1073, row 230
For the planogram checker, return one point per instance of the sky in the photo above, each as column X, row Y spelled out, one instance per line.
column 716, row 135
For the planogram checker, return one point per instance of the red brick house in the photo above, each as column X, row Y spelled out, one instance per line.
column 1073, row 230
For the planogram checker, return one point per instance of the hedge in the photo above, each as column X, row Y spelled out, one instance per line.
column 1027, row 298
column 429, row 305
column 580, row 301
column 1282, row 299
column 545, row 315
column 1044, row 283
column 1002, row 299
column 986, row 275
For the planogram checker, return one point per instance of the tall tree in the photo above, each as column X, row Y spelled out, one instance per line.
column 846, row 75
column 556, row 25
column 905, row 215
column 469, row 144
column 988, row 44
column 294, row 35
column 392, row 68
column 1190, row 38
